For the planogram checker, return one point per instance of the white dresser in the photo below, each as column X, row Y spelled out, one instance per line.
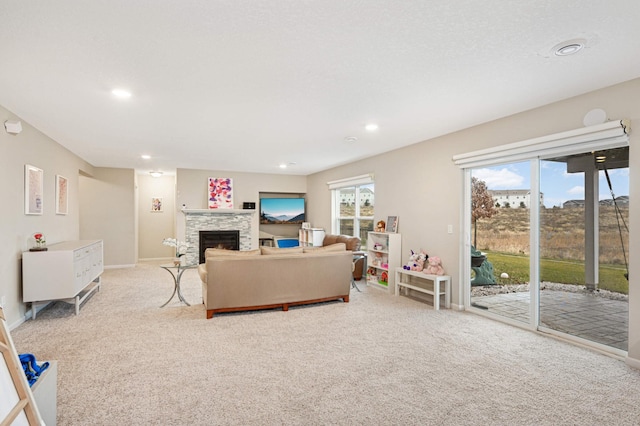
column 68, row 271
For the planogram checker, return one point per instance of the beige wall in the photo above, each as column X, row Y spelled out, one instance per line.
column 419, row 183
column 192, row 191
column 107, row 206
column 16, row 229
column 155, row 226
column 423, row 187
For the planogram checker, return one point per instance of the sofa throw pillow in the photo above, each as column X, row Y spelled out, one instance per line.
column 276, row 250
column 221, row 252
column 331, row 247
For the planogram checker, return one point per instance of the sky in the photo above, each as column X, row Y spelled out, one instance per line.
column 556, row 185
column 282, row 206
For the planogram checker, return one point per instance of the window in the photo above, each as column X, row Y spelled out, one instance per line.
column 353, row 206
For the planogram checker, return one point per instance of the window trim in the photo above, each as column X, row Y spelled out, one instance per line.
column 353, row 182
column 612, row 134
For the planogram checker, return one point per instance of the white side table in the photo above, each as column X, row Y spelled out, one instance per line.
column 437, row 288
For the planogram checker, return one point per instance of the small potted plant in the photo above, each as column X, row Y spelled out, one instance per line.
column 41, row 242
column 181, row 249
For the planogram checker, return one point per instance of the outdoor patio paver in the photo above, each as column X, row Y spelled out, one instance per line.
column 587, row 316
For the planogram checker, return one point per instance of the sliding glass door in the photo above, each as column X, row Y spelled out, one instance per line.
column 548, row 244
column 501, row 201
column 583, row 241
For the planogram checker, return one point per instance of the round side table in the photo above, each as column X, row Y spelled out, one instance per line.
column 176, row 272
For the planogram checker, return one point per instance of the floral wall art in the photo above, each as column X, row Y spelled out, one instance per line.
column 33, row 190
column 156, row 204
column 220, row 193
column 62, row 195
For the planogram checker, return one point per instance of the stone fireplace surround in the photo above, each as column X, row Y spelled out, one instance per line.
column 216, row 220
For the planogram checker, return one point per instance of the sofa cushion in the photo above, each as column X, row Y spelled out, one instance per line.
column 221, row 252
column 330, row 247
column 265, row 250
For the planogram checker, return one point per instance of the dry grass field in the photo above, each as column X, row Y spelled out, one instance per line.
column 562, row 236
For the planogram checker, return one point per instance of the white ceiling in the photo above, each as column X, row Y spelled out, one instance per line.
column 247, row 85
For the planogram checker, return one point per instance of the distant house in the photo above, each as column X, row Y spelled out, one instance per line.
column 573, row 204
column 513, row 198
column 348, row 196
column 622, row 201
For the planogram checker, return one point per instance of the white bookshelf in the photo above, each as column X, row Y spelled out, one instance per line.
column 311, row 237
column 384, row 252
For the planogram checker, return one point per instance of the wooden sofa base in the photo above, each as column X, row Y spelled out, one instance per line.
column 285, row 306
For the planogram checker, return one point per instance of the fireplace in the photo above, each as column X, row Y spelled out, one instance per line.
column 227, row 240
column 217, row 220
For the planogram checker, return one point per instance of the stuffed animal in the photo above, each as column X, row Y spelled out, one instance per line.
column 384, row 278
column 416, row 261
column 434, row 266
column 380, row 226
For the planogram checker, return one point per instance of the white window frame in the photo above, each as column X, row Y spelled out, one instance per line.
column 353, row 182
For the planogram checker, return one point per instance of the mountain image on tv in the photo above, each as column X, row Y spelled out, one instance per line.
column 282, row 210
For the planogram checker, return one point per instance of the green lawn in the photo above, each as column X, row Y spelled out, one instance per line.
column 557, row 271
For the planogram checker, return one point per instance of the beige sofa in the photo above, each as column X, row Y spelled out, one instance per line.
column 353, row 244
column 274, row 277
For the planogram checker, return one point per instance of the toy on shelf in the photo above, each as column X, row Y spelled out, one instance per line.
column 380, row 226
column 384, row 278
column 416, row 261
column 434, row 266
column 378, row 246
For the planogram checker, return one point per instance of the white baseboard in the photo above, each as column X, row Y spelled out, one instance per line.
column 19, row 321
column 456, row 307
column 28, row 315
column 119, row 266
column 632, row 362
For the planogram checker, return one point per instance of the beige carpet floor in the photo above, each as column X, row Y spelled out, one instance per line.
column 378, row 360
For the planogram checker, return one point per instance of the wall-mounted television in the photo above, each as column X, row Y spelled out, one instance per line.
column 275, row 211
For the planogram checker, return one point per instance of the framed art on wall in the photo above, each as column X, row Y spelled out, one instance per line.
column 392, row 224
column 220, row 193
column 62, row 195
column 156, row 204
column 33, row 189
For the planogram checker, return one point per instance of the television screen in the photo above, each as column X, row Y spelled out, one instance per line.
column 281, row 210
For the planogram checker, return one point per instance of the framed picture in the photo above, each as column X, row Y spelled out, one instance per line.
column 156, row 204
column 33, row 189
column 220, row 193
column 392, row 224
column 62, row 195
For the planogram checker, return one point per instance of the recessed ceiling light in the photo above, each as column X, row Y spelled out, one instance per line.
column 121, row 93
column 350, row 139
column 146, row 157
column 282, row 166
column 155, row 173
column 569, row 47
column 371, row 127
